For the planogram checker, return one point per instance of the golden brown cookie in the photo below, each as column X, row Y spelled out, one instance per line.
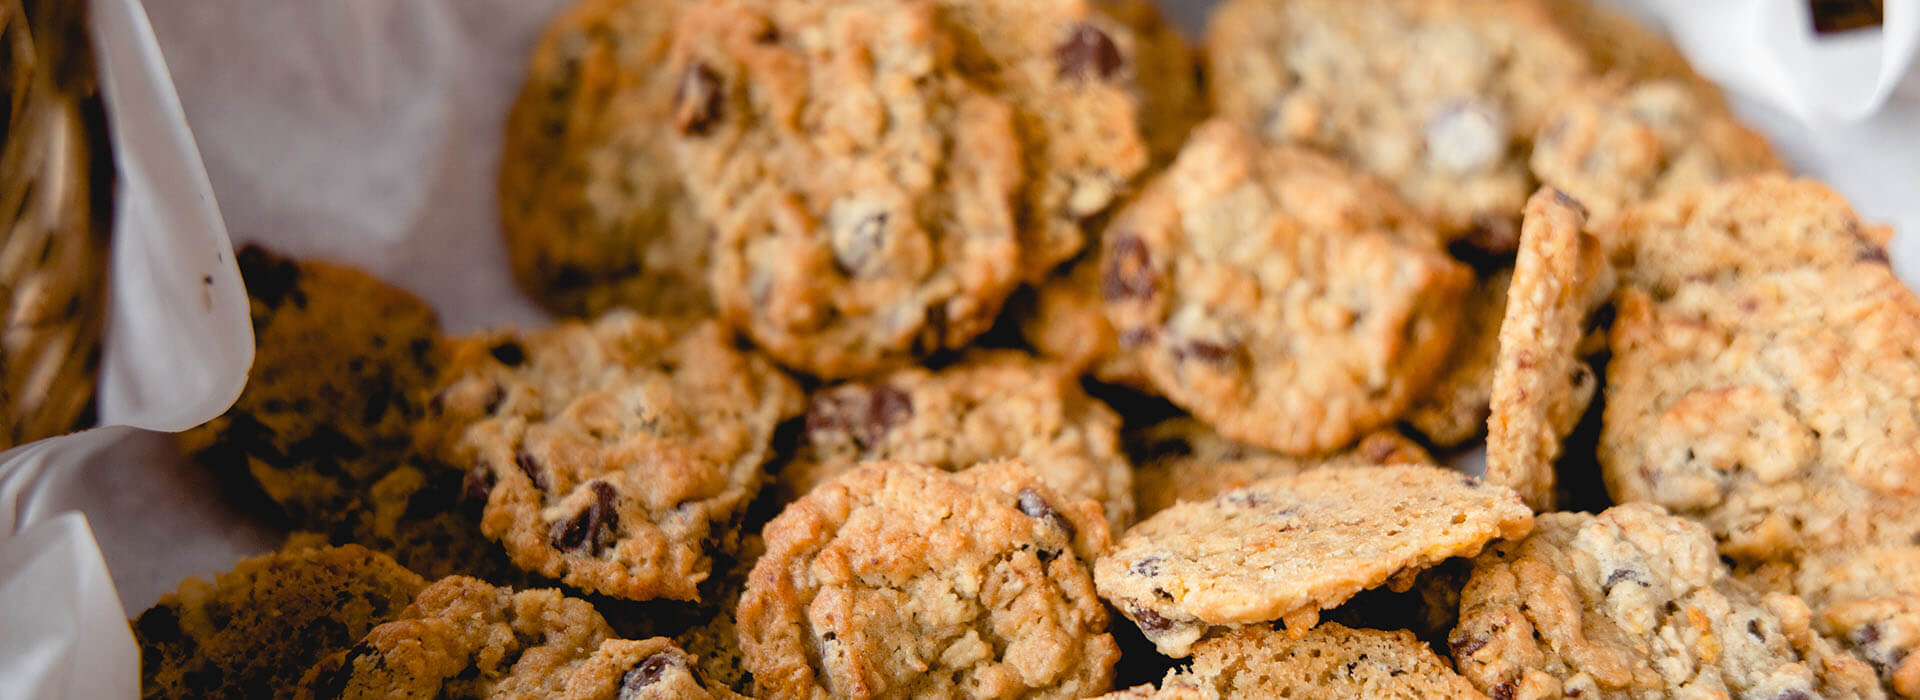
column 1181, row 459
column 1330, row 661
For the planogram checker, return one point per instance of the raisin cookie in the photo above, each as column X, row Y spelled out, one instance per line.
column 646, row 669
column 1066, row 323
column 992, row 405
column 250, row 632
column 1288, row 547
column 1165, row 75
column 1438, row 97
column 1619, row 44
column 1635, row 603
column 1330, row 661
column 898, row 579
column 465, row 638
column 591, row 199
column 1867, row 598
column 341, row 363
column 1273, row 294
column 617, row 455
column 1181, row 459
column 862, row 190
column 1541, row 384
column 1616, row 143
column 1454, row 410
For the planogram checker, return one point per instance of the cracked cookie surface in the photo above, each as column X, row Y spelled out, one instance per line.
column 1288, row 547
column 898, row 579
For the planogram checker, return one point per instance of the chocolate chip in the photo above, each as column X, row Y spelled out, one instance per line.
column 476, row 487
column 1128, row 273
column 509, row 353
column 1088, row 52
column 1567, row 200
column 1036, row 506
column 697, row 100
column 647, row 673
column 531, row 467
column 592, row 528
column 1149, row 620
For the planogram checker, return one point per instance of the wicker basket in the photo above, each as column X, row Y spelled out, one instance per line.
column 56, row 180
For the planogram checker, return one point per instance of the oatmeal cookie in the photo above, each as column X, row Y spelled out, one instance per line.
column 1440, row 98
column 992, row 405
column 1454, row 410
column 898, row 579
column 1541, row 384
column 1617, row 143
column 1619, row 44
column 863, row 191
column 646, row 669
column 1330, row 661
column 617, row 455
column 1273, row 294
column 1635, row 603
column 591, row 199
column 1181, row 459
column 1289, row 547
column 250, row 632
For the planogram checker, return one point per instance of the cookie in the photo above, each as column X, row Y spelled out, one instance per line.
column 646, row 669
column 58, row 186
column 250, row 632
column 341, row 364
column 1617, row 143
column 715, row 642
column 1619, row 44
column 1634, row 603
column 1440, row 99
column 1868, row 600
column 1066, row 323
column 992, row 405
column 1454, row 410
column 1276, row 296
column 1331, row 661
column 1181, row 459
column 591, row 199
column 1288, row 547
column 898, row 579
column 1165, row 76
column 617, row 456
column 462, row 637
column 1541, row 383
column 862, row 190
column 1762, row 371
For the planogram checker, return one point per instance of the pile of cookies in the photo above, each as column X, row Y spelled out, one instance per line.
column 980, row 348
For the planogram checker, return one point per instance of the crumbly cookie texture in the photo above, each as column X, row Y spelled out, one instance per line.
column 862, row 190
column 645, row 669
column 1067, row 323
column 463, row 637
column 1454, row 409
column 992, row 405
column 250, row 632
column 617, row 455
column 1616, row 143
column 1330, row 661
column 1635, row 603
column 591, row 199
column 341, row 362
column 1277, row 296
column 1762, row 383
column 898, row 579
column 1541, row 384
column 1289, row 547
column 715, row 643
column 1165, row 70
column 1181, row 459
column 1439, row 98
column 1619, row 44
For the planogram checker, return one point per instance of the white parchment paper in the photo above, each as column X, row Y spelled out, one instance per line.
column 368, row 132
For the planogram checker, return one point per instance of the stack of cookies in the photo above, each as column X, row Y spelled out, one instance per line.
column 979, row 348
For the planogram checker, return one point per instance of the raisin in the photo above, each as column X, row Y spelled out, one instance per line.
column 1035, row 506
column 592, row 529
column 697, row 100
column 647, row 673
column 1129, row 272
column 1088, row 52
column 531, row 467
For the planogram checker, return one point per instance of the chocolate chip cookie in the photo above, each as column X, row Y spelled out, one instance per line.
column 617, row 455
column 1330, row 661
column 1617, row 143
column 992, row 405
column 250, row 632
column 463, row 637
column 862, row 189
column 1275, row 295
column 341, row 364
column 591, row 199
column 1636, row 603
column 1440, row 99
column 1181, row 459
column 1288, row 547
column 1541, row 384
column 898, row 579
